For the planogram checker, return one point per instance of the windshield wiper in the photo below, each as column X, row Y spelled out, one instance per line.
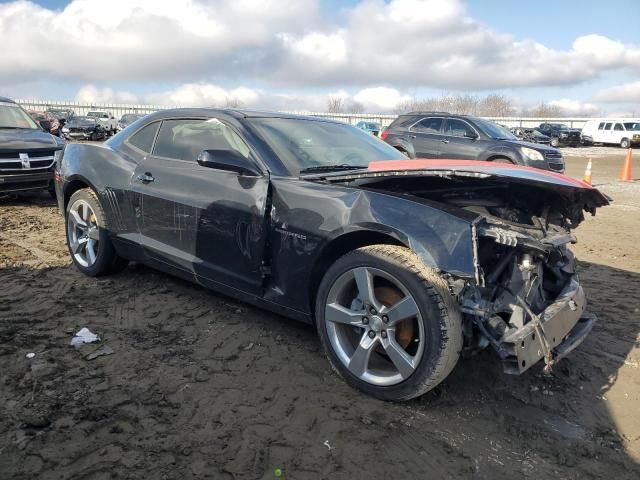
column 330, row 168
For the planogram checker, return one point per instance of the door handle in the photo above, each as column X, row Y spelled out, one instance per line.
column 444, row 140
column 146, row 178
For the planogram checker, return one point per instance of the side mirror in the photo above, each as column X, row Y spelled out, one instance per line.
column 471, row 135
column 228, row 160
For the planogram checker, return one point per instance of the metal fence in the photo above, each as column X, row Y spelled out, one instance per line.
column 119, row 109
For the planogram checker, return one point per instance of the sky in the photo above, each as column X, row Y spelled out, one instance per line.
column 583, row 56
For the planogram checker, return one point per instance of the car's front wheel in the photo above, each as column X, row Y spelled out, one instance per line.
column 625, row 143
column 555, row 142
column 388, row 323
column 88, row 236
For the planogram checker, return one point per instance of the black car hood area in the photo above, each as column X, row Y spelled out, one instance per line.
column 535, row 146
column 520, row 195
column 25, row 139
column 81, row 124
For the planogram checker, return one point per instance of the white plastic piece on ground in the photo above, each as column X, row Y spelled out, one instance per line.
column 84, row 336
column 31, row 355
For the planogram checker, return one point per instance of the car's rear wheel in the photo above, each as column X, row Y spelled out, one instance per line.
column 555, row 142
column 625, row 143
column 88, row 236
column 388, row 323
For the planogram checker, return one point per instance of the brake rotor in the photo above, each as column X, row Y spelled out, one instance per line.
column 405, row 330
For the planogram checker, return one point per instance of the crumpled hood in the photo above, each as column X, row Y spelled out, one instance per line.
column 24, row 140
column 500, row 172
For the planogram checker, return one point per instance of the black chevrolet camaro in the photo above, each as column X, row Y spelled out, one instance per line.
column 400, row 264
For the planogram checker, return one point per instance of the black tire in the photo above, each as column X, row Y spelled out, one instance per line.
column 403, row 151
column 107, row 260
column 52, row 190
column 502, row 160
column 555, row 142
column 441, row 319
column 625, row 143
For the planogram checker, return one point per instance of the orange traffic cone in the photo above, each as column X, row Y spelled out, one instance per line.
column 587, row 174
column 625, row 174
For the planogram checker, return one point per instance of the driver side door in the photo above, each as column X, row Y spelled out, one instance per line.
column 202, row 222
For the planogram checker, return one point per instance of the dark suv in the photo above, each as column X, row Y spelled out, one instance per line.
column 560, row 134
column 444, row 135
column 27, row 152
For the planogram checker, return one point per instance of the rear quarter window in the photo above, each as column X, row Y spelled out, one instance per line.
column 143, row 138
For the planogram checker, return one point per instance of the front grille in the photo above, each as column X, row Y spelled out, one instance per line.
column 558, row 167
column 37, row 161
column 553, row 155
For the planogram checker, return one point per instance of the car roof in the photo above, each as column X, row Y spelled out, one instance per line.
column 234, row 112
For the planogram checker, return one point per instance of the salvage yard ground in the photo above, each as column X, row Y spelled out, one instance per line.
column 200, row 386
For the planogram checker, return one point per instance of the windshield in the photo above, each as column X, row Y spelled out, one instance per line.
column 130, row 118
column 494, row 130
column 82, row 121
column 59, row 113
column 12, row 116
column 632, row 125
column 303, row 144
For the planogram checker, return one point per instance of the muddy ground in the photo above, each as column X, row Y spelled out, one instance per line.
column 200, row 386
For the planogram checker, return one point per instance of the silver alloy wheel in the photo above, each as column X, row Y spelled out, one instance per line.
column 364, row 332
column 83, row 233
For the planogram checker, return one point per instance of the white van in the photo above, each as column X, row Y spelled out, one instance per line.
column 620, row 131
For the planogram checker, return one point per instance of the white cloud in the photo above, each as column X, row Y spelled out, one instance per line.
column 380, row 99
column 404, row 43
column 628, row 93
column 575, row 107
column 93, row 94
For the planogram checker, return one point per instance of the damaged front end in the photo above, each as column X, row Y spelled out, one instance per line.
column 524, row 298
column 528, row 303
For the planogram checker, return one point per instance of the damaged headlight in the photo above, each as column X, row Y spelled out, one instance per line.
column 65, row 130
column 531, row 154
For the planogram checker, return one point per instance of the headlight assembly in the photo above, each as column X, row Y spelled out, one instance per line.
column 531, row 154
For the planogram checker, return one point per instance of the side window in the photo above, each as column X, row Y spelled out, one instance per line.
column 428, row 125
column 458, row 128
column 618, row 127
column 185, row 139
column 143, row 139
column 607, row 126
column 601, row 126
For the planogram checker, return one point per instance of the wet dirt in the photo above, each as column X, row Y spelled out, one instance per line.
column 200, row 386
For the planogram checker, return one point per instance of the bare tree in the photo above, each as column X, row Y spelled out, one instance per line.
column 335, row 104
column 494, row 105
column 355, row 107
column 544, row 110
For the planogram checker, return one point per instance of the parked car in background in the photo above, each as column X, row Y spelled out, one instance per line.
column 106, row 120
column 62, row 114
column 399, row 264
column 371, row 127
column 84, row 128
column 561, row 135
column 443, row 135
column 623, row 131
column 27, row 153
column 127, row 119
column 530, row 135
column 47, row 121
